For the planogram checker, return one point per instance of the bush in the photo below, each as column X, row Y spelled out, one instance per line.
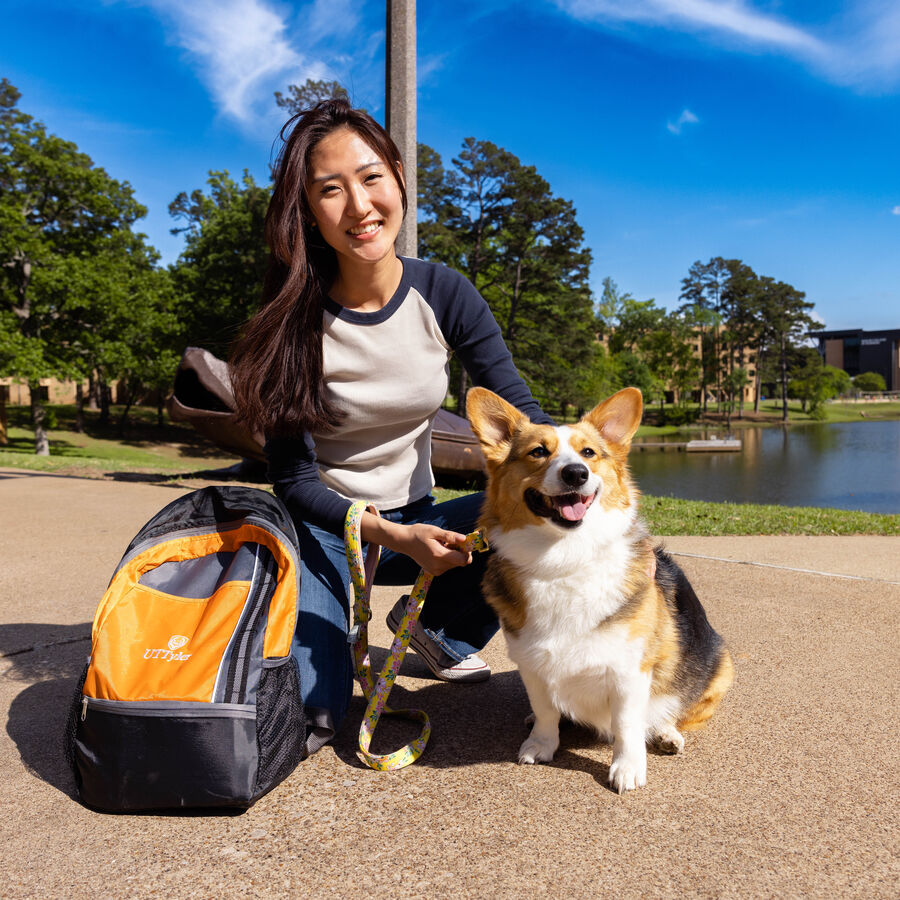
column 680, row 415
column 869, row 381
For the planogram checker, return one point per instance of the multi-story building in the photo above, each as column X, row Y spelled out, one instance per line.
column 857, row 351
column 745, row 360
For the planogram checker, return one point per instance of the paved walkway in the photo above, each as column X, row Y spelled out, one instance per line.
column 792, row 790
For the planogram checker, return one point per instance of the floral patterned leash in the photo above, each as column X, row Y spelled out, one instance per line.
column 362, row 574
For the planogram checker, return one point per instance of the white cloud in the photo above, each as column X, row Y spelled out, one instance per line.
column 686, row 118
column 859, row 47
column 866, row 49
column 240, row 48
column 730, row 17
column 426, row 66
column 896, row 211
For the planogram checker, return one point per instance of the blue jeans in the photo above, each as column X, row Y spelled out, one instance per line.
column 455, row 614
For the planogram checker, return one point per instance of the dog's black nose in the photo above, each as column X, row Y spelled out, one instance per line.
column 574, row 475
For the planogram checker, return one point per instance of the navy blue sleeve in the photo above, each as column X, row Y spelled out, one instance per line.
column 470, row 328
column 295, row 478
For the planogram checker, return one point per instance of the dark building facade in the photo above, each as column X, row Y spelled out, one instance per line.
column 856, row 351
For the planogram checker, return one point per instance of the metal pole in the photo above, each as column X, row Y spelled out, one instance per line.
column 400, row 106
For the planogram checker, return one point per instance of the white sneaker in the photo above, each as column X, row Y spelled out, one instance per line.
column 471, row 669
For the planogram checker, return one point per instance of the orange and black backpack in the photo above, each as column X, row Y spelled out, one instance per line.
column 191, row 697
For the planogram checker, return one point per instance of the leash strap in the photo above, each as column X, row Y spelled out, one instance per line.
column 376, row 693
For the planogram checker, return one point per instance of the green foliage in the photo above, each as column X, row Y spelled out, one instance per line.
column 869, row 381
column 308, row 94
column 733, row 385
column 79, row 290
column 666, row 348
column 813, row 383
column 633, row 371
column 702, row 295
column 599, row 379
column 218, row 277
column 498, row 222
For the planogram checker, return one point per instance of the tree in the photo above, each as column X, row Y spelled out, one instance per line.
column 785, row 311
column 599, row 379
column 637, row 320
column 813, row 383
column 220, row 271
column 667, row 350
column 438, row 206
column 62, row 221
column 702, row 292
column 542, row 297
column 308, row 95
column 118, row 319
column 464, row 209
column 869, row 381
column 633, row 371
column 733, row 384
column 497, row 222
column 740, row 302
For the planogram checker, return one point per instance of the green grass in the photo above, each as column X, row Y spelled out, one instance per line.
column 144, row 447
column 834, row 411
column 669, row 516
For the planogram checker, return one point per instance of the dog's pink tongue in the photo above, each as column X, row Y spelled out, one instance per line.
column 573, row 511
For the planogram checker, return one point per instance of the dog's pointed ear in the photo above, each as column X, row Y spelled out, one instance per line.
column 493, row 420
column 618, row 418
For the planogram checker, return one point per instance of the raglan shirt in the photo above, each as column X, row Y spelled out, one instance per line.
column 388, row 372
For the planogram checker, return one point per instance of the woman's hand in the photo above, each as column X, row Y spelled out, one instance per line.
column 435, row 549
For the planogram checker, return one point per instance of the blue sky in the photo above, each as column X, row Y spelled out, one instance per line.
column 680, row 129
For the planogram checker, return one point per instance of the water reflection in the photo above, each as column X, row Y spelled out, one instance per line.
column 849, row 465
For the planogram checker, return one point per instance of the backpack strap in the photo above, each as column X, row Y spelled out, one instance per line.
column 362, row 576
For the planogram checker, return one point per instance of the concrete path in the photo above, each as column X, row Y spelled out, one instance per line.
column 793, row 789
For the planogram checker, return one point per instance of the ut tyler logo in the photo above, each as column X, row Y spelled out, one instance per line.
column 173, row 654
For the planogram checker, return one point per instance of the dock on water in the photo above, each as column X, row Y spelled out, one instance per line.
column 716, row 445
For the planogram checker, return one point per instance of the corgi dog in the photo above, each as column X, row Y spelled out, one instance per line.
column 604, row 628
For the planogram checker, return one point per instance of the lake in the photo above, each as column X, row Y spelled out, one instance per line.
column 846, row 465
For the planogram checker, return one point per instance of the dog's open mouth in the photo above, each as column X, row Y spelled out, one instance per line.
column 564, row 509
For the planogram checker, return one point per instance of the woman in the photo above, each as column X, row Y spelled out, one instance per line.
column 343, row 369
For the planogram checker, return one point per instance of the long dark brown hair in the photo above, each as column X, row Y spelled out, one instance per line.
column 276, row 363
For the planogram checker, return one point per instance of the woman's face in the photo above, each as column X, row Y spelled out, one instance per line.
column 354, row 198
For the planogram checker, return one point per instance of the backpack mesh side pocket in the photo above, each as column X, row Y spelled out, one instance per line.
column 72, row 725
column 280, row 724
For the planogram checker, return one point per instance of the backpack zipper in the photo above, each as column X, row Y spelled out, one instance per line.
column 166, row 708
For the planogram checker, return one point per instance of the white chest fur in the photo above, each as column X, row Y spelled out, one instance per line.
column 571, row 583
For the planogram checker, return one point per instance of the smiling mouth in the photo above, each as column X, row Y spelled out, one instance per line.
column 567, row 510
column 363, row 230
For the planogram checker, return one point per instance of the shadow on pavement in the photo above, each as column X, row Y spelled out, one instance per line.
column 472, row 724
column 51, row 657
column 21, row 644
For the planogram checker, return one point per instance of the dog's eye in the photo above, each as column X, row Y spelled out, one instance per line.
column 588, row 453
column 539, row 452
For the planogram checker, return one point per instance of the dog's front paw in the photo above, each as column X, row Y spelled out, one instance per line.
column 537, row 749
column 626, row 774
